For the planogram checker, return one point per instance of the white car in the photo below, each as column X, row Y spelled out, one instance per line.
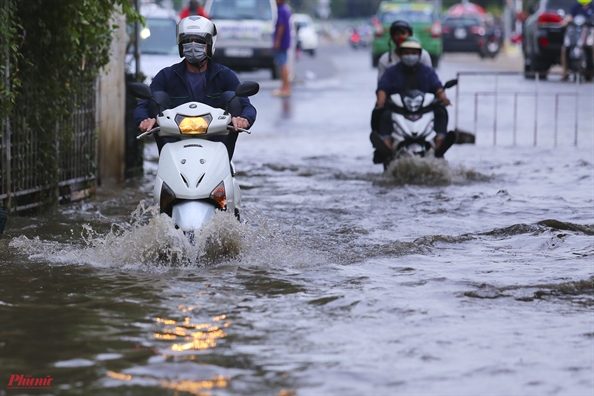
column 307, row 36
column 244, row 33
column 158, row 45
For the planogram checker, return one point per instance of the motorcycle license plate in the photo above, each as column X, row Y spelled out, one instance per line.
column 460, row 33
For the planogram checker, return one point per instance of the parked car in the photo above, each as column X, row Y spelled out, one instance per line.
column 470, row 33
column 306, row 33
column 423, row 18
column 462, row 33
column 244, row 33
column 158, row 45
column 542, row 36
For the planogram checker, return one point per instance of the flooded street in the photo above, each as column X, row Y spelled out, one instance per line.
column 472, row 275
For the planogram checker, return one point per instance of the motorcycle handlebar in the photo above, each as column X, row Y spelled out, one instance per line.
column 155, row 129
column 232, row 128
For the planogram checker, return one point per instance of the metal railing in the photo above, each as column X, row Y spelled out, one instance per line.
column 22, row 185
column 544, row 120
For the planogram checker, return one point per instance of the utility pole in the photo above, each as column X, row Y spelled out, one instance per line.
column 137, row 44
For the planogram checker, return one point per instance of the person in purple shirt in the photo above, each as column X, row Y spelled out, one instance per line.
column 282, row 43
column 409, row 73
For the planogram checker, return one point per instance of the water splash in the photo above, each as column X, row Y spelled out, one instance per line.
column 428, row 171
column 149, row 241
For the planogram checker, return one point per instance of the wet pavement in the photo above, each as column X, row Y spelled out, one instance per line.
column 471, row 275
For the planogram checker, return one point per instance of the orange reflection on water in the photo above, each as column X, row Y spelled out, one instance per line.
column 165, row 336
column 166, row 321
column 119, row 376
column 198, row 336
column 196, row 387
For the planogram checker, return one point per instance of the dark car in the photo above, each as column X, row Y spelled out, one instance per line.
column 472, row 32
column 542, row 36
column 463, row 33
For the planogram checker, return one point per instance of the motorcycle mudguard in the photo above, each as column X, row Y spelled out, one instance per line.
column 192, row 215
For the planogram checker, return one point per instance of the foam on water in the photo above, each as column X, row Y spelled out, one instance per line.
column 151, row 242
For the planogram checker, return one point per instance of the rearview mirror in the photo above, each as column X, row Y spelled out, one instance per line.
column 140, row 90
column 450, row 84
column 247, row 88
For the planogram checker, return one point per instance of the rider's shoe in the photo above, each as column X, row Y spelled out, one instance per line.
column 381, row 146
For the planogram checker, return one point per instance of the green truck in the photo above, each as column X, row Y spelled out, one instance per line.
column 422, row 16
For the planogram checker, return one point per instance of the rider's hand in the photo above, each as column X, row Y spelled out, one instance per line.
column 239, row 122
column 445, row 101
column 147, row 125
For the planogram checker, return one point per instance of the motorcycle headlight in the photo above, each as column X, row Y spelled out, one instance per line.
column 193, row 125
column 413, row 104
column 220, row 196
column 579, row 20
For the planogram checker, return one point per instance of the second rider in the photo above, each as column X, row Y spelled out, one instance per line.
column 408, row 74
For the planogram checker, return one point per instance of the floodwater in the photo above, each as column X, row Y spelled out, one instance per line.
column 472, row 275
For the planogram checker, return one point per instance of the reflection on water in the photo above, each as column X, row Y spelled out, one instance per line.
column 196, row 337
column 196, row 387
column 192, row 387
column 200, row 335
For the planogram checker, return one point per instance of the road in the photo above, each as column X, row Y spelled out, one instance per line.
column 466, row 276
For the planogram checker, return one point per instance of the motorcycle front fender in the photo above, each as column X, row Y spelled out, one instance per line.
column 192, row 215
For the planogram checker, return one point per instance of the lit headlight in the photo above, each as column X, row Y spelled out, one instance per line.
column 193, row 125
column 413, row 104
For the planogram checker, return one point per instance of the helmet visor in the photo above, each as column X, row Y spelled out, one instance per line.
column 195, row 38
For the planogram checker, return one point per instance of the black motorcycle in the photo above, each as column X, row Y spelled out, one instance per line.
column 578, row 47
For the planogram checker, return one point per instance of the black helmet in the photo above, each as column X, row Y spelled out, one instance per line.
column 400, row 25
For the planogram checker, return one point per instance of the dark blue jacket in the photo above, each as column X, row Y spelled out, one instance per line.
column 394, row 80
column 578, row 9
column 173, row 80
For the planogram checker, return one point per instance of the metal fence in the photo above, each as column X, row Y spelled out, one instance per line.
column 505, row 108
column 22, row 187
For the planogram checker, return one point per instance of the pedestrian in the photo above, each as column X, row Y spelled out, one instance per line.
column 193, row 8
column 196, row 79
column 282, row 43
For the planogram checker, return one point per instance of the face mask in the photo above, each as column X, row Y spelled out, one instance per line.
column 195, row 53
column 410, row 60
column 399, row 40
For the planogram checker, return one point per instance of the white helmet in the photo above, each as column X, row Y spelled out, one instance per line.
column 196, row 26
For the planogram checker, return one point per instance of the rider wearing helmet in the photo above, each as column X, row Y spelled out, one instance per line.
column 581, row 7
column 399, row 31
column 408, row 74
column 196, row 79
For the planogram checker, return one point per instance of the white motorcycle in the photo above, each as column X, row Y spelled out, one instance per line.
column 195, row 177
column 412, row 119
